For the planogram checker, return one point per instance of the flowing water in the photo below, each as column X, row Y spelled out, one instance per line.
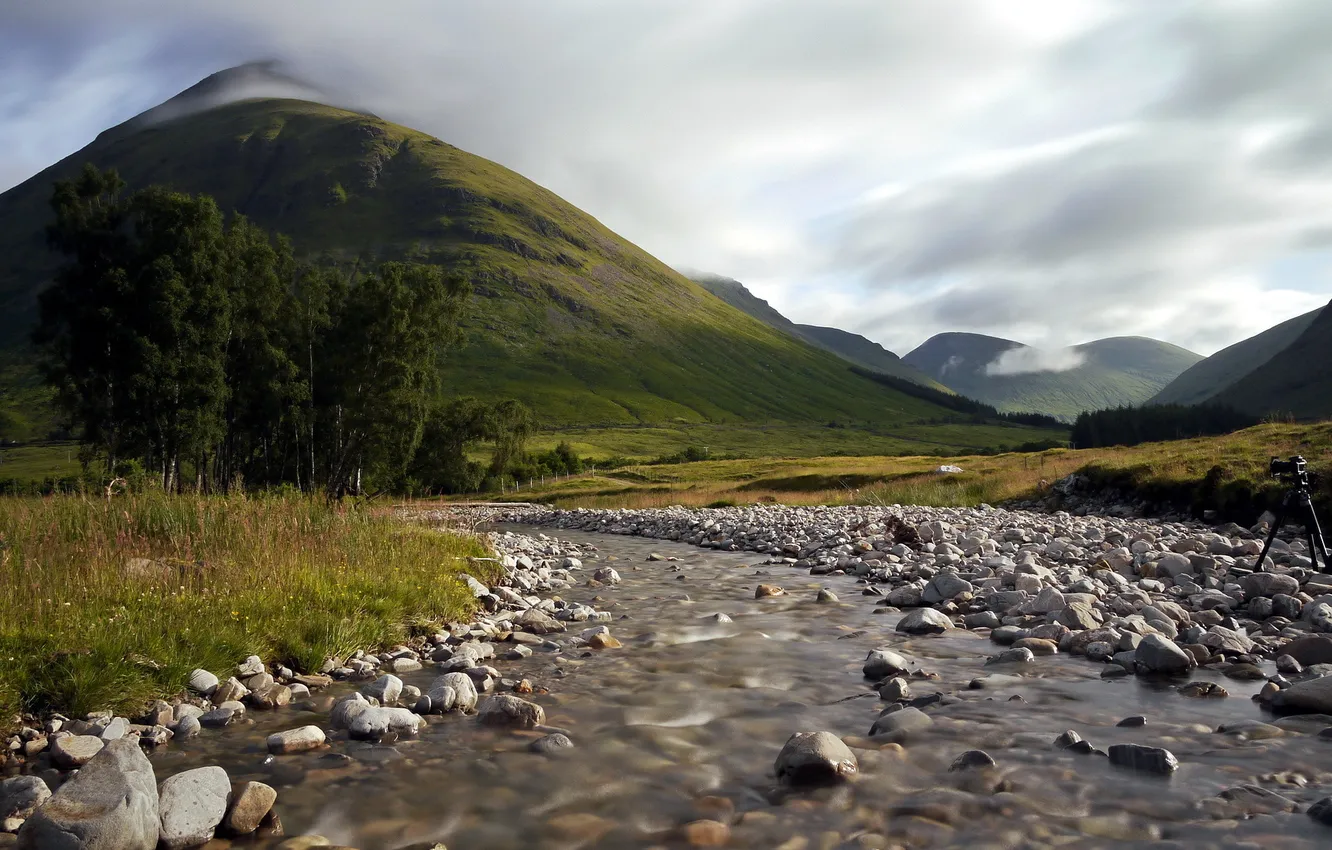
column 683, row 723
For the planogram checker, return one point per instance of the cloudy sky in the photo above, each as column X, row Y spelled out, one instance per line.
column 1051, row 171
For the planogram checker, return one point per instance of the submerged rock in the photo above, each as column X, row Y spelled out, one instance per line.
column 814, row 758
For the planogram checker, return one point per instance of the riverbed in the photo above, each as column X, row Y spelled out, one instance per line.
column 683, row 723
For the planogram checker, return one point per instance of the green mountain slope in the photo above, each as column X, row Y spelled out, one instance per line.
column 1296, row 381
column 1205, row 379
column 582, row 325
column 1113, row 372
column 851, row 347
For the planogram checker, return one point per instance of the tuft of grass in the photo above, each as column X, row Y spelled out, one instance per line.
column 108, row 603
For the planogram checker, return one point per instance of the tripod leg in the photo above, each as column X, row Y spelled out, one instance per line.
column 1259, row 565
column 1317, row 546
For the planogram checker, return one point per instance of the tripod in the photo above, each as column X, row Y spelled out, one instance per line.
column 1298, row 497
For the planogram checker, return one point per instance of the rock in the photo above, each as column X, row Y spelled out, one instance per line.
column 217, row 718
column 1249, row 800
column 1321, row 811
column 539, row 622
column 453, row 691
column 375, row 722
column 1311, row 695
column 1269, row 584
column 1203, row 690
column 897, row 725
column 763, row 591
column 1148, row 759
column 228, row 691
column 252, row 666
column 972, row 759
column 75, row 750
column 1288, row 665
column 1156, row 654
column 1037, row 646
column 272, row 696
column 706, row 833
column 1067, row 739
column 1078, row 615
column 1016, row 655
column 304, row 842
column 551, row 744
column 924, row 621
column 814, row 758
column 250, row 804
column 510, row 711
column 192, row 805
column 203, row 682
column 1310, row 650
column 1137, row 721
column 825, row 595
column 296, row 740
column 187, row 727
column 386, row 689
column 882, row 663
column 602, row 640
column 945, row 586
column 21, row 795
column 110, row 804
column 606, row 575
column 895, row 690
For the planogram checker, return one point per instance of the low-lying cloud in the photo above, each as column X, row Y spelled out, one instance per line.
column 1026, row 359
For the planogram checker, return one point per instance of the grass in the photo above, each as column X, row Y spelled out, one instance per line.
column 40, row 461
column 108, row 603
column 1227, row 474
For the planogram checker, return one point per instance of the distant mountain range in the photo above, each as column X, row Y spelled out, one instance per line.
column 1285, row 371
column 849, row 346
column 1015, row 377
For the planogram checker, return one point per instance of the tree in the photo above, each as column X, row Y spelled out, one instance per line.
column 391, row 333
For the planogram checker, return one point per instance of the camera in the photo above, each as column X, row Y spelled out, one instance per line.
column 1294, row 471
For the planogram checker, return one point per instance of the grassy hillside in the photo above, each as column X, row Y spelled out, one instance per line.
column 1114, row 372
column 1205, row 379
column 582, row 325
column 853, row 348
column 1296, row 381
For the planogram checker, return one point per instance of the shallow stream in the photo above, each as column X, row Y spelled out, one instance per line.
column 683, row 723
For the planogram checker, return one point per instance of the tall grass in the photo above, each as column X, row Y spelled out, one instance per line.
column 107, row 603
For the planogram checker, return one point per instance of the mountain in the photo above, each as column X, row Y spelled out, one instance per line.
column 1205, row 379
column 851, row 347
column 565, row 315
column 1104, row 373
column 1296, row 381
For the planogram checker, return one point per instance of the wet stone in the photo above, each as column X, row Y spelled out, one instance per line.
column 972, row 759
column 1147, row 759
column 898, row 725
column 1133, row 722
column 551, row 744
column 814, row 758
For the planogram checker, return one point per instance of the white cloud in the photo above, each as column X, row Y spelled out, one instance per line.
column 1050, row 171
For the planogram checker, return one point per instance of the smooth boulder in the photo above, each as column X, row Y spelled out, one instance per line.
column 924, row 621
column 110, row 804
column 250, row 804
column 815, row 758
column 882, row 663
column 510, row 711
column 191, row 805
column 1311, row 695
column 1157, row 654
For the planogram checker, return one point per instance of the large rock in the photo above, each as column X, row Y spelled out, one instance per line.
column 203, row 682
column 191, row 805
column 250, row 804
column 538, row 622
column 1310, row 650
column 924, row 621
column 110, row 804
column 1269, row 584
column 881, row 663
column 296, row 740
column 1156, row 654
column 452, row 692
column 386, row 689
column 375, row 722
column 21, row 795
column 815, row 758
column 897, row 725
column 945, row 586
column 508, row 710
column 1311, row 695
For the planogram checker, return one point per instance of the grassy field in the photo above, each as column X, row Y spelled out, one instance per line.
column 39, row 461
column 652, row 441
column 1224, row 473
column 107, row 603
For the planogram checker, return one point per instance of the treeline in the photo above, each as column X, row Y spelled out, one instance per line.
column 196, row 351
column 1129, row 426
column 975, row 411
